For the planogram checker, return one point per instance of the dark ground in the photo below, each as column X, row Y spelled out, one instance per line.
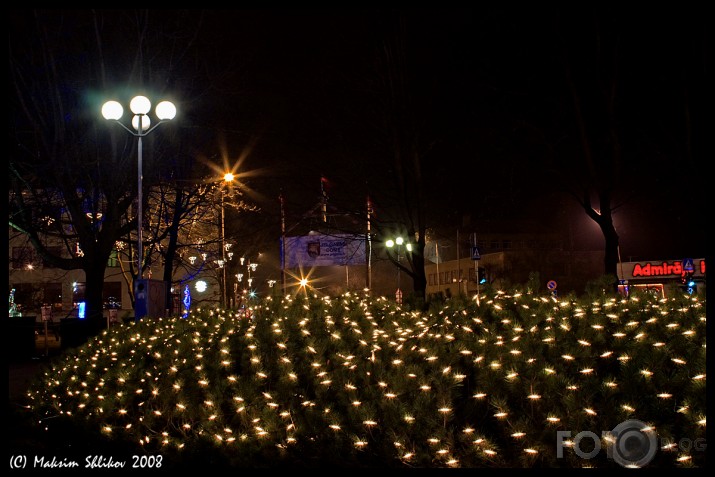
column 29, row 439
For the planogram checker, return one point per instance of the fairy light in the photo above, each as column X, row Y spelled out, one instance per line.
column 396, row 338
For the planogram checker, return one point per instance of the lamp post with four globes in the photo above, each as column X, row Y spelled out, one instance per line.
column 140, row 106
column 398, row 242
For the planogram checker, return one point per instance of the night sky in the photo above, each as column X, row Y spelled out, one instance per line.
column 299, row 93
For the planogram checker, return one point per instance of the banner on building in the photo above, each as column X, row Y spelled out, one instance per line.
column 324, row 250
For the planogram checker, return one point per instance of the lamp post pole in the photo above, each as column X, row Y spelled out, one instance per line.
column 140, row 204
column 227, row 179
column 223, row 247
column 399, row 272
column 399, row 241
column 140, row 106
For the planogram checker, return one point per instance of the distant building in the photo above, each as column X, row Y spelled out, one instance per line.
column 37, row 282
column 571, row 271
column 508, row 252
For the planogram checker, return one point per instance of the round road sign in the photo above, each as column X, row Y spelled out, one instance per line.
column 551, row 285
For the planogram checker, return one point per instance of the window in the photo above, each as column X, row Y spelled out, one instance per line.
column 112, row 292
column 506, row 244
column 31, row 296
column 53, row 295
column 24, row 258
column 78, row 289
column 494, row 245
column 113, row 261
column 441, row 278
column 28, row 296
column 55, row 251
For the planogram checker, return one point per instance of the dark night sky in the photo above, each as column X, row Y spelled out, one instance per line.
column 297, row 91
column 491, row 83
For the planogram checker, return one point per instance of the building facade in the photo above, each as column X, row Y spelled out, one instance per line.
column 569, row 270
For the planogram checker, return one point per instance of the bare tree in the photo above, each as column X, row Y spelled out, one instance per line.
column 66, row 185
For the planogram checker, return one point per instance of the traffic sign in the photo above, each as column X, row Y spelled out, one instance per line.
column 688, row 265
column 551, row 285
column 475, row 253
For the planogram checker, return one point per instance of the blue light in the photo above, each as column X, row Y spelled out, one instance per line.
column 81, row 309
column 691, row 283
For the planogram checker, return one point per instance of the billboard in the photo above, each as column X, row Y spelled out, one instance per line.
column 324, row 250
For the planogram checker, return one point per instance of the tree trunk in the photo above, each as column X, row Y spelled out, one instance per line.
column 94, row 277
column 604, row 219
column 419, row 279
column 171, row 248
column 610, row 259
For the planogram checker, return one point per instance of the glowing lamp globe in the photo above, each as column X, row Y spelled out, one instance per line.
column 146, row 122
column 112, row 110
column 140, row 105
column 165, row 110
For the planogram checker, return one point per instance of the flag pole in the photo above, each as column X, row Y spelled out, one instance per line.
column 368, row 243
column 283, row 244
column 324, row 198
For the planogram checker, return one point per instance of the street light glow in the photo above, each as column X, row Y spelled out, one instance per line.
column 112, row 110
column 228, row 177
column 140, row 105
column 399, row 240
column 146, row 122
column 165, row 110
column 390, row 243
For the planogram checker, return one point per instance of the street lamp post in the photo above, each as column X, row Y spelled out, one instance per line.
column 390, row 243
column 227, row 179
column 140, row 106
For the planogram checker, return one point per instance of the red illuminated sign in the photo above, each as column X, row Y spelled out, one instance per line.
column 649, row 269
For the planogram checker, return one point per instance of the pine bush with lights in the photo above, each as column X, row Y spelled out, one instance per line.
column 355, row 381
